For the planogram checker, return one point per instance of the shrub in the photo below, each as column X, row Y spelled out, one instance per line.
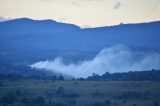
column 24, row 100
column 156, row 104
column 61, row 78
column 60, row 91
column 9, row 98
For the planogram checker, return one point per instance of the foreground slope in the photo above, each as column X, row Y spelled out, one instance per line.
column 32, row 92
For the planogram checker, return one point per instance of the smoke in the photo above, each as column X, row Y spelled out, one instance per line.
column 117, row 58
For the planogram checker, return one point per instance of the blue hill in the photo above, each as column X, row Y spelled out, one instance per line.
column 27, row 34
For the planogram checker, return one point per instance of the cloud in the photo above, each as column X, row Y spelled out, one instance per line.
column 3, row 19
column 117, row 58
column 74, row 3
column 117, row 5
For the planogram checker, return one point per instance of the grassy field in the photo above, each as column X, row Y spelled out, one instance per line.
column 80, row 93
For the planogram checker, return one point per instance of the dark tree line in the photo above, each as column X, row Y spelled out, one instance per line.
column 16, row 77
column 19, row 69
column 15, row 72
column 152, row 75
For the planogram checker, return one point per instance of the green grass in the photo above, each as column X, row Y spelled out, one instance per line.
column 88, row 92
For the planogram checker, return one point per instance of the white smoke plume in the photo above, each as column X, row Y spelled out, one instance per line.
column 117, row 58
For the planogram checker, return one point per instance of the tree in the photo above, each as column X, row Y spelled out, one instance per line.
column 1, row 84
column 98, row 104
column 9, row 98
column 54, row 78
column 97, row 93
column 40, row 100
column 61, row 78
column 134, row 105
column 81, row 79
column 60, row 91
column 24, row 100
column 60, row 104
column 18, row 93
column 107, row 103
column 75, row 83
column 156, row 104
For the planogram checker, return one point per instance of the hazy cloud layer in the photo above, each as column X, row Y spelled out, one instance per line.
column 118, row 58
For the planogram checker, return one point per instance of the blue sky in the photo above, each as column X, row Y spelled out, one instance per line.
column 84, row 13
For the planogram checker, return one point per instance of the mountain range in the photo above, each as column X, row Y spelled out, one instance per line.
column 25, row 34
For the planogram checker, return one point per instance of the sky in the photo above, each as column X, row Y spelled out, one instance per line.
column 84, row 13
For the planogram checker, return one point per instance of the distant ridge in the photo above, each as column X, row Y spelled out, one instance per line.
column 83, row 27
column 25, row 33
column 34, row 20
